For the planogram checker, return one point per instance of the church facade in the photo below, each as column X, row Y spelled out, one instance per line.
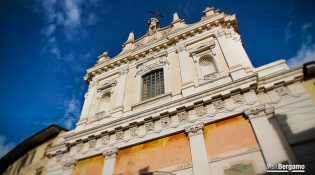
column 185, row 99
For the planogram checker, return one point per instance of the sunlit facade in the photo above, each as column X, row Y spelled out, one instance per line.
column 185, row 99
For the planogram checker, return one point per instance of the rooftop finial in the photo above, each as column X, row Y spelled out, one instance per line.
column 131, row 37
column 156, row 13
column 175, row 17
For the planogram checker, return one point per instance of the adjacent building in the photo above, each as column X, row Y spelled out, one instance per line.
column 185, row 99
column 29, row 157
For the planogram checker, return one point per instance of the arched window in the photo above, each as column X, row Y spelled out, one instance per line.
column 153, row 84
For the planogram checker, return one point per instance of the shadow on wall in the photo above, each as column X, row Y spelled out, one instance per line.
column 302, row 143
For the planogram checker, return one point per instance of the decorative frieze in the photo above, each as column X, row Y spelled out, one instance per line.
column 165, row 121
column 119, row 134
column 282, row 91
column 184, row 165
column 200, row 110
column 219, row 105
column 254, row 110
column 182, row 116
column 238, row 99
column 92, row 143
column 134, row 131
column 58, row 157
column 149, row 125
column 80, row 147
column 105, row 139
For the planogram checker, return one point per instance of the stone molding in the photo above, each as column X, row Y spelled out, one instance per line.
column 69, row 163
column 259, row 110
column 194, row 129
column 110, row 153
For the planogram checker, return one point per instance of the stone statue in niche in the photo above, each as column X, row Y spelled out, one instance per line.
column 153, row 24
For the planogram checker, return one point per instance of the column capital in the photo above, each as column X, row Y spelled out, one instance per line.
column 194, row 129
column 110, row 153
column 259, row 110
column 69, row 163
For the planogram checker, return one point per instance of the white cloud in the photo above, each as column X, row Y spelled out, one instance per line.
column 72, row 109
column 4, row 146
column 306, row 52
column 287, row 32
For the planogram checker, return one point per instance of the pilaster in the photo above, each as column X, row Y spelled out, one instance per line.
column 188, row 87
column 121, row 88
column 110, row 161
column 198, row 149
column 87, row 105
column 273, row 148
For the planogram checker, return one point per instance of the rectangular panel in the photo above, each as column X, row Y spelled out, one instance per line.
column 227, row 135
column 150, row 156
column 90, row 166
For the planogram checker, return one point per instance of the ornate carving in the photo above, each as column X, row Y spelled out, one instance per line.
column 92, row 143
column 282, row 91
column 182, row 116
column 254, row 110
column 124, row 70
column 80, row 147
column 134, row 131
column 205, row 60
column 120, row 134
column 219, row 105
column 194, row 129
column 105, row 139
column 184, row 165
column 200, row 110
column 153, row 24
column 99, row 115
column 180, row 48
column 165, row 121
column 211, row 77
column 159, row 62
column 69, row 163
column 238, row 99
column 149, row 125
column 112, row 152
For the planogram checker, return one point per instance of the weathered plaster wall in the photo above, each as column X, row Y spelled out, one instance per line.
column 89, row 166
column 153, row 155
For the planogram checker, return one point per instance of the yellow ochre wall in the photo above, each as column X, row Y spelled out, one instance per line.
column 90, row 166
column 153, row 155
column 228, row 135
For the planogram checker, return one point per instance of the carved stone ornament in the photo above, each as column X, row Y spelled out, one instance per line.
column 254, row 110
column 165, row 121
column 99, row 115
column 149, row 125
column 194, row 129
column 119, row 134
column 134, row 131
column 211, row 77
column 158, row 63
column 80, row 147
column 238, row 99
column 124, row 70
column 110, row 153
column 182, row 116
column 92, row 143
column 69, row 163
column 153, row 24
column 282, row 91
column 105, row 139
column 180, row 48
column 184, row 165
column 200, row 110
column 219, row 105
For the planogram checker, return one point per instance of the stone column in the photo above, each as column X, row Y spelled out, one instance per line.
column 87, row 105
column 110, row 161
column 68, row 166
column 187, row 82
column 198, row 151
column 121, row 88
column 271, row 146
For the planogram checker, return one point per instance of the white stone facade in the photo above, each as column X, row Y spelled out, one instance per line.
column 208, row 77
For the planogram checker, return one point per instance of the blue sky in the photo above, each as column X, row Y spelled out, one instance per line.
column 46, row 46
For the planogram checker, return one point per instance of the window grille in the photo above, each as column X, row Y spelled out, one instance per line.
column 153, row 84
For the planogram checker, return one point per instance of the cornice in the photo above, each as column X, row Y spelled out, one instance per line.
column 223, row 90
